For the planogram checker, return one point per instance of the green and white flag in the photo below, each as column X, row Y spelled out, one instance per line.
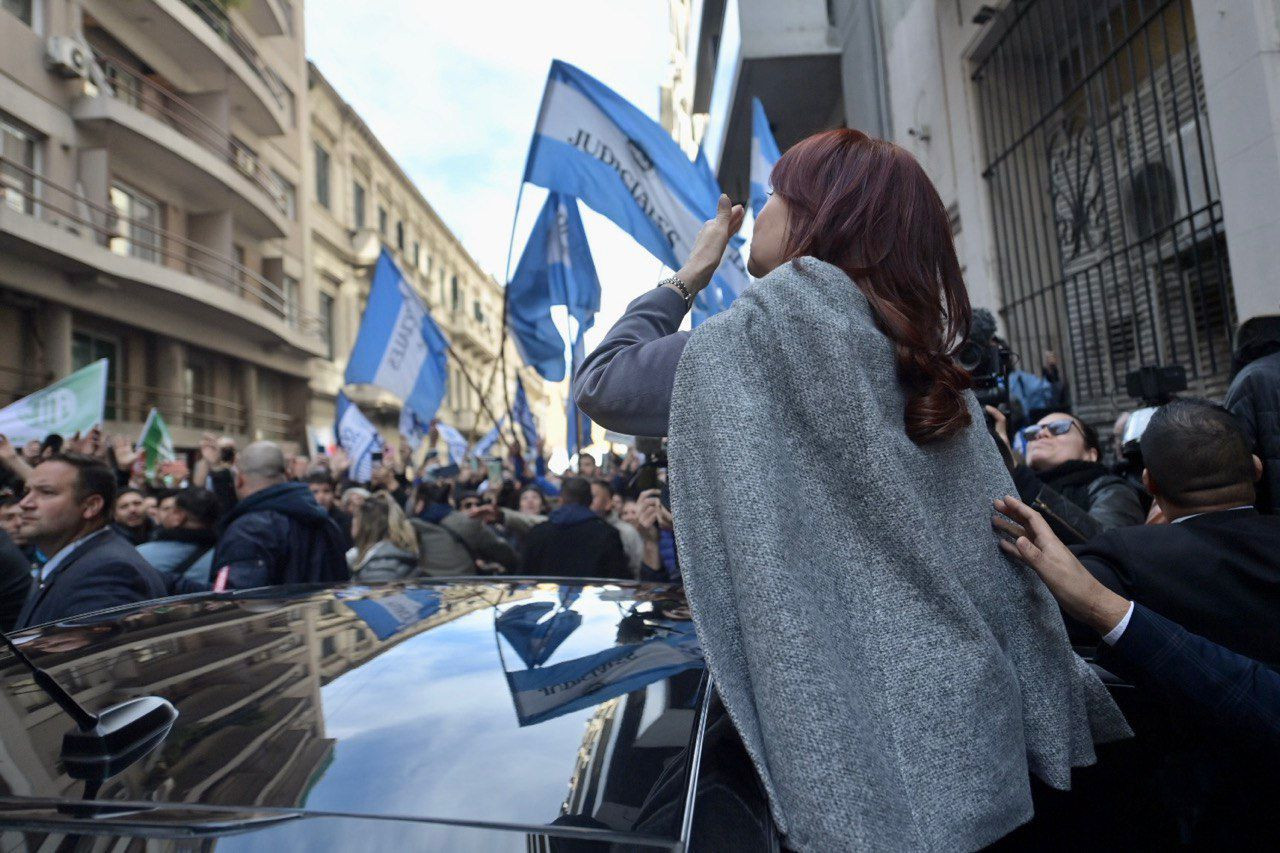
column 70, row 405
column 156, row 445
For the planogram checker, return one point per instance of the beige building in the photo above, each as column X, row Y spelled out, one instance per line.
column 360, row 201
column 151, row 192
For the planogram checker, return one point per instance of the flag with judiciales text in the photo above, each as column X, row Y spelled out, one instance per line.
column 592, row 144
column 358, row 437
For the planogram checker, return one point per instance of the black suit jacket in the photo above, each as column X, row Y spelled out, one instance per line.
column 590, row 549
column 1217, row 575
column 106, row 571
column 1229, row 692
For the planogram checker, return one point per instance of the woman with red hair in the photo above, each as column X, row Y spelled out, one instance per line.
column 894, row 677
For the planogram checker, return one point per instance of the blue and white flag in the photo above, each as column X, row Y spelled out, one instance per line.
column 399, row 348
column 555, row 269
column 577, row 424
column 523, row 415
column 358, row 437
column 764, row 155
column 456, row 442
column 482, row 447
column 390, row 614
column 545, row 693
column 592, row 144
column 412, row 427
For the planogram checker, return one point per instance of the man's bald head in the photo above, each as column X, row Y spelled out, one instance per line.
column 260, row 465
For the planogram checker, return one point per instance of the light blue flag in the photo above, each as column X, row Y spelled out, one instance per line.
column 358, row 437
column 412, row 427
column 592, row 144
column 545, row 693
column 399, row 348
column 764, row 155
column 578, row 425
column 523, row 415
column 482, row 447
column 456, row 442
column 555, row 269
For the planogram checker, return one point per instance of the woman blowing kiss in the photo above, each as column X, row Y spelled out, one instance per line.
column 894, row 676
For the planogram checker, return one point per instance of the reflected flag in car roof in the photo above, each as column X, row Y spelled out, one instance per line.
column 548, row 692
column 532, row 636
column 391, row 614
column 591, row 143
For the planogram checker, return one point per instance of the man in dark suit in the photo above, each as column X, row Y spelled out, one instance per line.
column 1226, row 691
column 574, row 541
column 1215, row 569
column 65, row 513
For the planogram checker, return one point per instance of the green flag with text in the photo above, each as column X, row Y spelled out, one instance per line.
column 155, row 444
column 70, row 405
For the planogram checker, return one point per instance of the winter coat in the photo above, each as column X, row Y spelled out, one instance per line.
column 574, row 542
column 1080, row 499
column 386, row 562
column 1254, row 398
column 450, row 542
column 280, row 535
column 184, row 558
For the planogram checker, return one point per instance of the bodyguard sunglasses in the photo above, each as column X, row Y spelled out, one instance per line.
column 1061, row 427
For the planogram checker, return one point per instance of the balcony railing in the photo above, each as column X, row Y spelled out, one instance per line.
column 126, row 85
column 216, row 17
column 48, row 202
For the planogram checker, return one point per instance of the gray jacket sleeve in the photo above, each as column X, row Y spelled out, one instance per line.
column 625, row 384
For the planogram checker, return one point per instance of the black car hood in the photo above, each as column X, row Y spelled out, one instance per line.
column 517, row 704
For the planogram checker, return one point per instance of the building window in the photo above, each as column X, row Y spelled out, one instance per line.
column 292, row 293
column 137, row 224
column 417, row 255
column 326, row 323
column 86, row 348
column 24, row 9
column 454, row 293
column 17, row 180
column 357, row 203
column 400, row 236
column 288, row 194
column 322, row 175
column 477, row 311
column 382, row 221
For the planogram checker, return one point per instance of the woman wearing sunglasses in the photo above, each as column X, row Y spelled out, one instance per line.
column 1063, row 479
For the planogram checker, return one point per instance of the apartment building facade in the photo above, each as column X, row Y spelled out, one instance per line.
column 151, row 191
column 361, row 202
column 1107, row 164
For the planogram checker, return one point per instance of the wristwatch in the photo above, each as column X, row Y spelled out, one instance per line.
column 676, row 282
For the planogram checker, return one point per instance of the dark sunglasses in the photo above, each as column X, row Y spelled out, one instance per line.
column 1061, row 427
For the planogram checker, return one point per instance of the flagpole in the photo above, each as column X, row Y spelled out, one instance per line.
column 467, row 376
column 506, row 279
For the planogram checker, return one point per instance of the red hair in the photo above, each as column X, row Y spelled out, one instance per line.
column 866, row 206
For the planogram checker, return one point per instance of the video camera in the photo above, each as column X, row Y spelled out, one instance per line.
column 655, row 457
column 1153, row 386
column 987, row 360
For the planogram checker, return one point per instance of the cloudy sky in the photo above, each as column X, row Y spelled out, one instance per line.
column 452, row 90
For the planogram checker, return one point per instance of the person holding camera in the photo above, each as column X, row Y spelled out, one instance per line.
column 895, row 678
column 1063, row 478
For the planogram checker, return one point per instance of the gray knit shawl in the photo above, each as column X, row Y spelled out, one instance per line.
column 894, row 676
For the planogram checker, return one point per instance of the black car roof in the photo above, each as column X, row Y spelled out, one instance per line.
column 517, row 703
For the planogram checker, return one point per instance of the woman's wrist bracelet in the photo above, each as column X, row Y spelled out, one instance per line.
column 676, row 282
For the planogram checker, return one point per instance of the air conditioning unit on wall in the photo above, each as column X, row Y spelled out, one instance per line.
column 67, row 57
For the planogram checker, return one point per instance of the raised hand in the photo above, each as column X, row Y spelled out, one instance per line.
column 708, row 248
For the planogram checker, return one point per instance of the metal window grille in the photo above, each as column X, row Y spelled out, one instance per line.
column 1110, row 244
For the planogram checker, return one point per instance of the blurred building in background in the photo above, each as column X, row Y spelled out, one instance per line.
column 149, row 209
column 181, row 193
column 361, row 202
column 1107, row 164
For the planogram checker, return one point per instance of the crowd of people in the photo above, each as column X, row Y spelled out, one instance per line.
column 83, row 527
